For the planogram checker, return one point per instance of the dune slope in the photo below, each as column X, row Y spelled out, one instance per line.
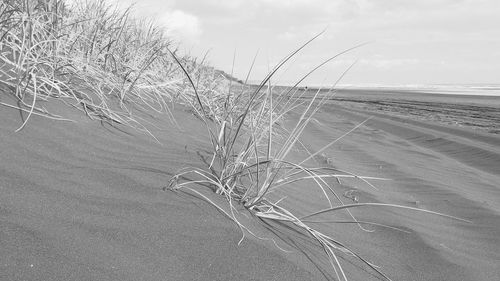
column 84, row 201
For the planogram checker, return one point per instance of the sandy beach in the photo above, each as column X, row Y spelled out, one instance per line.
column 435, row 165
column 84, row 200
column 160, row 140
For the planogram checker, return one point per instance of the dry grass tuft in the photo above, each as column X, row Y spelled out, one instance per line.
column 249, row 163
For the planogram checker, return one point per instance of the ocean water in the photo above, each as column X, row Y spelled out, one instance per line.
column 456, row 89
column 490, row 89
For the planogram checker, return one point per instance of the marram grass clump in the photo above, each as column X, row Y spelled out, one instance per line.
column 249, row 163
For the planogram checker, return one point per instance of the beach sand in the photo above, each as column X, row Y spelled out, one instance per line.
column 85, row 201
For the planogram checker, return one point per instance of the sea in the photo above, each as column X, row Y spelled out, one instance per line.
column 455, row 89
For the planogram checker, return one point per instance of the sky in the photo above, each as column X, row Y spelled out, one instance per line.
column 410, row 42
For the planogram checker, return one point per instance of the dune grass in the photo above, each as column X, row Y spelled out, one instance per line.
column 250, row 161
column 100, row 60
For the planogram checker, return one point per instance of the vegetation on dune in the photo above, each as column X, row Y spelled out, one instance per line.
column 107, row 64
column 98, row 58
column 250, row 165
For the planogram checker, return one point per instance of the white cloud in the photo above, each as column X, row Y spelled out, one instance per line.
column 286, row 3
column 182, row 26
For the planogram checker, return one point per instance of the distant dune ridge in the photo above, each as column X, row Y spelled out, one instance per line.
column 123, row 160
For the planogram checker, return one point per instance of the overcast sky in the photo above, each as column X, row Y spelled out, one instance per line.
column 412, row 41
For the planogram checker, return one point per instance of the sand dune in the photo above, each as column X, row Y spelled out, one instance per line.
column 84, row 201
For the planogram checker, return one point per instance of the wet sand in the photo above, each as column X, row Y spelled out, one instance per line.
column 479, row 113
column 84, row 201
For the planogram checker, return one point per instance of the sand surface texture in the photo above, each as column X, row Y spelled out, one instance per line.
column 84, row 201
